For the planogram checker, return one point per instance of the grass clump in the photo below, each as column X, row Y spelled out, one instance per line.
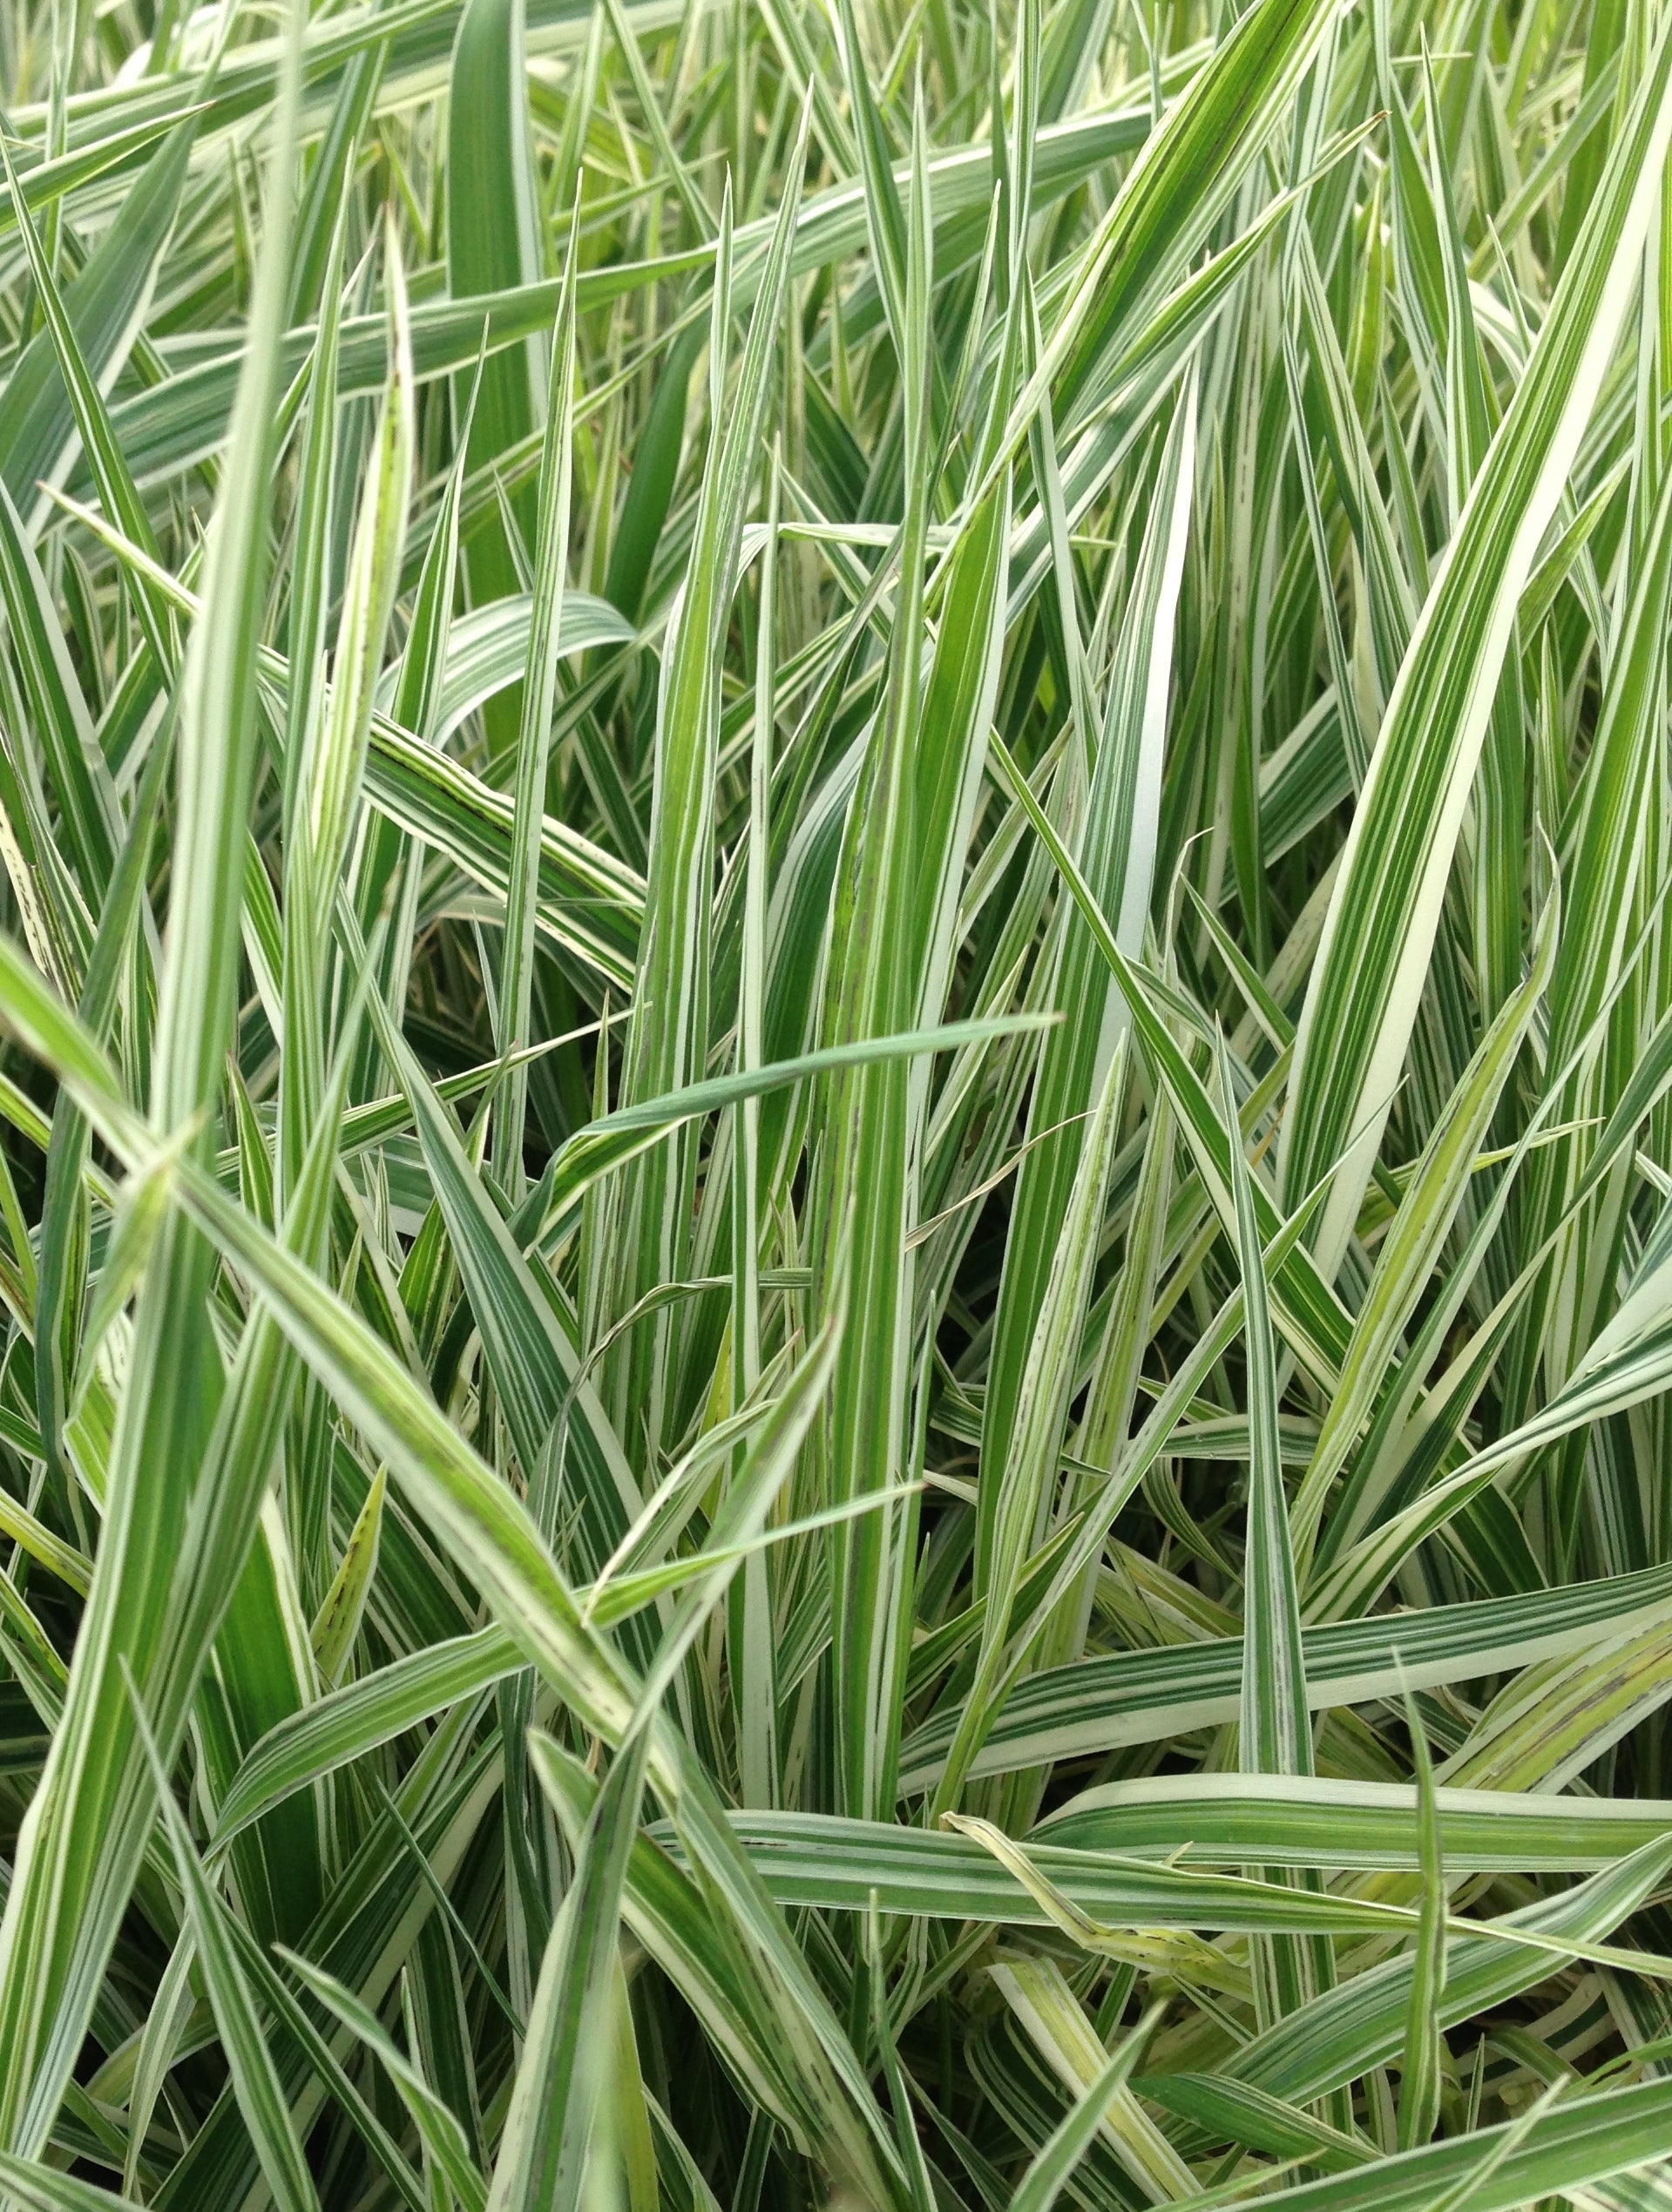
column 834, row 1212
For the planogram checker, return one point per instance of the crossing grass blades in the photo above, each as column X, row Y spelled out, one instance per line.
column 836, row 1194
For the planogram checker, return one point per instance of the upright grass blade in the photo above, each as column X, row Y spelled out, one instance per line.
column 1274, row 1732
column 70, row 1885
column 866, row 1204
column 1116, row 855
column 1049, row 2171
column 1041, row 1417
column 534, row 736
column 750, row 1622
column 1419, row 2079
column 674, row 960
column 255, row 2084
column 1361, row 1004
column 492, row 244
column 549, row 2137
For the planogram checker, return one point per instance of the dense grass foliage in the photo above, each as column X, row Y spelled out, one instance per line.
column 835, row 1188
